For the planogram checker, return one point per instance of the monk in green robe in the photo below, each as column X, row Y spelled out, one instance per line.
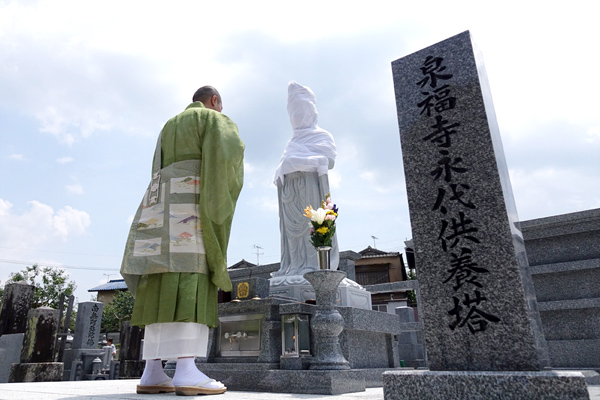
column 176, row 254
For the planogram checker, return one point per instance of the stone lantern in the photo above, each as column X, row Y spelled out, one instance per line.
column 295, row 335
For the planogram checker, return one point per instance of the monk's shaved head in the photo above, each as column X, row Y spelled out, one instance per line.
column 205, row 93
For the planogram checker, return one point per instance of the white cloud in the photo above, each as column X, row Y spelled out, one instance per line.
column 18, row 157
column 542, row 192
column 266, row 203
column 70, row 222
column 391, row 187
column 75, row 189
column 335, row 179
column 5, row 207
column 39, row 225
column 64, row 160
column 248, row 168
column 593, row 135
column 55, row 123
column 367, row 176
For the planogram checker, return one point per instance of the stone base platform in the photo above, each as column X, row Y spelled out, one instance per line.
column 489, row 385
column 132, row 369
column 592, row 377
column 367, row 341
column 36, row 372
column 257, row 378
column 349, row 293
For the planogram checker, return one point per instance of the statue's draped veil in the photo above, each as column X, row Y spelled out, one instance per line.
column 311, row 148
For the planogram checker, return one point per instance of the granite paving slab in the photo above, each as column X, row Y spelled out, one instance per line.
column 125, row 389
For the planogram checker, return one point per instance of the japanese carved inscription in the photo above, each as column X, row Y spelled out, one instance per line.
column 457, row 232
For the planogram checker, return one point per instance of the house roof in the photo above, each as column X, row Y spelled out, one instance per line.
column 113, row 284
column 242, row 264
column 370, row 252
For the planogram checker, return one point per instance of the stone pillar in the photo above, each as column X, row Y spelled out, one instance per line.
column 476, row 292
column 131, row 342
column 37, row 355
column 87, row 325
column 16, row 303
column 131, row 347
column 477, row 299
column 38, row 345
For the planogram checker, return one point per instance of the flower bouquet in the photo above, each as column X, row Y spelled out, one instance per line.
column 322, row 222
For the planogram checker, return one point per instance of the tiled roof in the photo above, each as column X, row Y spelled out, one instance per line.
column 242, row 264
column 370, row 252
column 113, row 284
column 395, row 254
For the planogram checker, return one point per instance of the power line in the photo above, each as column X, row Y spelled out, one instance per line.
column 355, row 246
column 59, row 252
column 57, row 265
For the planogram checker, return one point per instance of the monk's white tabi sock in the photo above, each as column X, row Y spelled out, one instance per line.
column 187, row 374
column 153, row 373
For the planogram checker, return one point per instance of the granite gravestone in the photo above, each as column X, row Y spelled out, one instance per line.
column 38, row 345
column 410, row 352
column 87, row 325
column 130, row 352
column 37, row 354
column 16, row 303
column 87, row 334
column 10, row 353
column 478, row 303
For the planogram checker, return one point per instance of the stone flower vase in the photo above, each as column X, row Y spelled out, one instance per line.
column 327, row 323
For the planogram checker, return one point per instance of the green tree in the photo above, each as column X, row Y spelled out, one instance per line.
column 117, row 312
column 49, row 284
column 410, row 294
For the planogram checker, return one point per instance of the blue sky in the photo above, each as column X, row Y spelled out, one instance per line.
column 85, row 88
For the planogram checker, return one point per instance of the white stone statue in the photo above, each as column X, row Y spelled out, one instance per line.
column 302, row 180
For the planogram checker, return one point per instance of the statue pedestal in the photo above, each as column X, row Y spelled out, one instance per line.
column 349, row 293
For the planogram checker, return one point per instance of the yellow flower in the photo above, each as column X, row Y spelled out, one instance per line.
column 323, row 230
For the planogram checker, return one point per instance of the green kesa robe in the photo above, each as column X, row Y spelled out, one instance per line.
column 176, row 253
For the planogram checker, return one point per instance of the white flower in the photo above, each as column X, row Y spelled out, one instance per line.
column 319, row 215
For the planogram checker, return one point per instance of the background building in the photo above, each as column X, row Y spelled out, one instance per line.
column 107, row 291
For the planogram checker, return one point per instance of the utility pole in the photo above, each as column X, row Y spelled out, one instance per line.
column 374, row 239
column 258, row 253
